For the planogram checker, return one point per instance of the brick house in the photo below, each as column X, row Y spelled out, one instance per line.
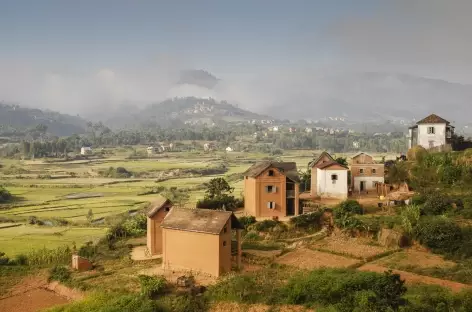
column 366, row 173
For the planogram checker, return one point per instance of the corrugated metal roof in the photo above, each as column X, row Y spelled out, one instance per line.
column 199, row 220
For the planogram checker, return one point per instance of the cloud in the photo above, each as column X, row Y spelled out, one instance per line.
column 425, row 37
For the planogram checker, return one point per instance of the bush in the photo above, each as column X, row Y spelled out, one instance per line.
column 238, row 288
column 440, row 234
column 226, row 201
column 351, row 206
column 59, row 273
column 419, row 199
column 118, row 172
column 309, row 220
column 4, row 260
column 426, row 298
column 252, row 236
column 436, row 204
column 21, row 259
column 264, row 226
column 136, row 225
column 152, row 286
column 5, row 195
column 345, row 290
column 247, row 220
column 113, row 303
column 410, row 216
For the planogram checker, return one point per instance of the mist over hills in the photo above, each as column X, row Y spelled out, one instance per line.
column 197, row 97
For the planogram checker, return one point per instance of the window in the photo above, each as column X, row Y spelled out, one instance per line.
column 224, row 243
column 167, row 209
column 334, row 178
column 361, row 171
column 271, row 189
column 271, row 173
column 271, row 205
column 374, row 171
column 431, row 130
column 374, row 183
column 225, row 229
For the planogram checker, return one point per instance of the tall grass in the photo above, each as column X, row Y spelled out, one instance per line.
column 44, row 256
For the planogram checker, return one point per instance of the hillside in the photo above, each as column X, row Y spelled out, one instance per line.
column 183, row 111
column 375, row 97
column 15, row 117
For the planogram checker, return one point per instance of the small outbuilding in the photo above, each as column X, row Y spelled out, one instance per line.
column 156, row 214
column 201, row 240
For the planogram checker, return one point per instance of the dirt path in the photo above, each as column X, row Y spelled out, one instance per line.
column 311, row 259
column 412, row 278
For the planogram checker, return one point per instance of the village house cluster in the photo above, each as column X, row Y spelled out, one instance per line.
column 209, row 241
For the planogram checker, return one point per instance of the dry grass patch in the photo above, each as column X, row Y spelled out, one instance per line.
column 359, row 248
column 238, row 307
column 411, row 258
column 310, row 259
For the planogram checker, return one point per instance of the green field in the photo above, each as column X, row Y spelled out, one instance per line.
column 41, row 189
column 22, row 239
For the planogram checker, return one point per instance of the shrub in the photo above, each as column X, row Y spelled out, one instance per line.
column 4, row 260
column 346, row 290
column 136, row 225
column 21, row 259
column 418, row 199
column 247, row 220
column 351, row 206
column 410, row 216
column 59, row 273
column 152, row 286
column 238, row 288
column 112, row 303
column 252, row 236
column 226, row 201
column 440, row 234
column 436, row 204
column 5, row 195
column 309, row 220
column 264, row 226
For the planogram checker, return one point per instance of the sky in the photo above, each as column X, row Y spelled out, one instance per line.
column 74, row 56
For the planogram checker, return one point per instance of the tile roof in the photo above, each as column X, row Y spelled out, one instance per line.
column 329, row 164
column 432, row 119
column 311, row 164
column 289, row 169
column 199, row 220
column 159, row 202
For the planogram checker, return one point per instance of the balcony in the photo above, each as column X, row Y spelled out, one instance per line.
column 290, row 193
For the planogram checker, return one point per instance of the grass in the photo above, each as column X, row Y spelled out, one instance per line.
column 22, row 239
column 46, row 198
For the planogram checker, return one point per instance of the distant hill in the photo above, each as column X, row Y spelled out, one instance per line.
column 17, row 117
column 183, row 111
column 376, row 97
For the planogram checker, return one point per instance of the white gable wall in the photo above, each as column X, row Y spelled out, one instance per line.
column 437, row 139
column 326, row 187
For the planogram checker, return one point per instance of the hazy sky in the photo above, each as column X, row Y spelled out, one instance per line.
column 71, row 55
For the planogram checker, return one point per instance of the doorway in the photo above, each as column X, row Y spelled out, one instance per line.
column 290, row 206
column 362, row 186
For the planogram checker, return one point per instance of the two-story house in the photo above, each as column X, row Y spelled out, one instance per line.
column 431, row 132
column 329, row 179
column 366, row 173
column 271, row 189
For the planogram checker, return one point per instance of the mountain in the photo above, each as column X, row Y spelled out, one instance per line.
column 182, row 111
column 198, row 77
column 16, row 117
column 376, row 97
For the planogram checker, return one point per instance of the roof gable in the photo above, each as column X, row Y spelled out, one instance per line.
column 331, row 164
column 433, row 119
column 157, row 204
column 199, row 220
column 323, row 155
column 289, row 169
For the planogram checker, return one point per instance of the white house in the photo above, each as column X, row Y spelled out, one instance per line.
column 328, row 178
column 229, row 149
column 430, row 132
column 85, row 150
column 332, row 180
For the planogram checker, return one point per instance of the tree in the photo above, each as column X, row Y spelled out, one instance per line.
column 398, row 173
column 5, row 195
column 342, row 161
column 90, row 216
column 180, row 197
column 217, row 188
column 305, row 177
